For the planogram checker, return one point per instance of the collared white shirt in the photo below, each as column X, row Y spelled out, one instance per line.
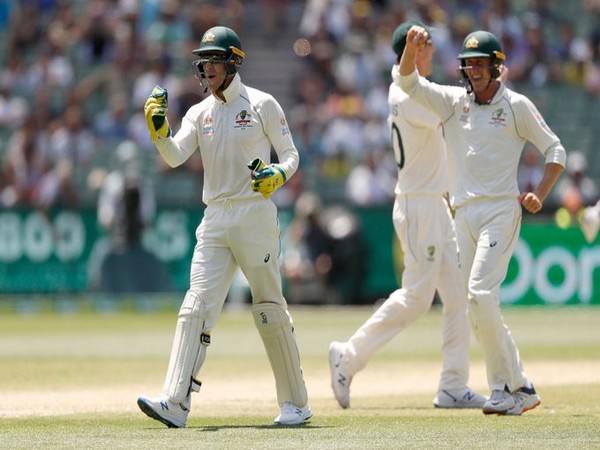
column 418, row 144
column 484, row 142
column 229, row 135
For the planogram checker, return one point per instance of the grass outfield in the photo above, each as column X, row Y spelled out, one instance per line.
column 71, row 381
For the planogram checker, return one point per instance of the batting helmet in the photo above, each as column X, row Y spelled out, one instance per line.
column 482, row 44
column 219, row 45
column 399, row 36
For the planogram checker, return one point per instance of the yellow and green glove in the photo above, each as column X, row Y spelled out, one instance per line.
column 155, row 110
column 266, row 179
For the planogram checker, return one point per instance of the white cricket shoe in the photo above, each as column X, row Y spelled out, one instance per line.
column 173, row 415
column 590, row 222
column 458, row 398
column 525, row 400
column 499, row 402
column 340, row 377
column 293, row 415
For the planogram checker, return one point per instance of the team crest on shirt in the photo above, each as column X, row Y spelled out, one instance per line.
column 243, row 120
column 207, row 127
column 498, row 118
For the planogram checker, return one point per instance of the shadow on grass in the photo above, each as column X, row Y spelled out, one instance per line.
column 409, row 408
column 214, row 428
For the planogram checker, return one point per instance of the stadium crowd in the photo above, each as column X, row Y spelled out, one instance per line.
column 75, row 75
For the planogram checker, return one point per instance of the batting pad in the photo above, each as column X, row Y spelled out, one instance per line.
column 188, row 351
column 275, row 328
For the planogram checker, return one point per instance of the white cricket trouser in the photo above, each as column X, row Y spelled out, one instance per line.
column 487, row 232
column 424, row 226
column 236, row 234
column 232, row 233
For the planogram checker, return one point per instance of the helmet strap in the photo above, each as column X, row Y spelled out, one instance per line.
column 226, row 82
column 464, row 79
column 204, row 84
column 479, row 102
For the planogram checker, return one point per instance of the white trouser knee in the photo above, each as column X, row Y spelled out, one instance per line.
column 400, row 309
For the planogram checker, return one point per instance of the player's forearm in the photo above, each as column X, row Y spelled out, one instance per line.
column 408, row 62
column 172, row 154
column 551, row 173
column 289, row 160
column 176, row 149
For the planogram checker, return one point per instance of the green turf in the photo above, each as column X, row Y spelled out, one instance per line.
column 53, row 353
column 378, row 427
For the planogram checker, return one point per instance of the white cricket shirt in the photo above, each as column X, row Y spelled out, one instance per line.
column 418, row 144
column 484, row 141
column 229, row 135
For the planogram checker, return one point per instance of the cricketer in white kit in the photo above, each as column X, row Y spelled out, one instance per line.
column 486, row 127
column 234, row 129
column 424, row 226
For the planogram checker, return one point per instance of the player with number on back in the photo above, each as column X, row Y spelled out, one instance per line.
column 424, row 225
column 234, row 129
column 486, row 127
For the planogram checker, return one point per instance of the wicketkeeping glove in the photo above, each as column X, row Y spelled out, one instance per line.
column 266, row 179
column 155, row 110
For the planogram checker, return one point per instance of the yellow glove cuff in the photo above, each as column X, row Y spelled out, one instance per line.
column 266, row 179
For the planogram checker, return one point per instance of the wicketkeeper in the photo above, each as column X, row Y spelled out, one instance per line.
column 234, row 130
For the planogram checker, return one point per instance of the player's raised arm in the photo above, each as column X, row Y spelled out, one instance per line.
column 416, row 39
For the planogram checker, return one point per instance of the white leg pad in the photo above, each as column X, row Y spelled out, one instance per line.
column 188, row 351
column 275, row 328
